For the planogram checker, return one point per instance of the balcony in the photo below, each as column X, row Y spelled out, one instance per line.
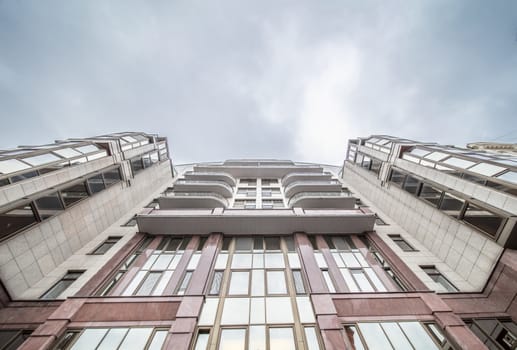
column 341, row 200
column 289, row 178
column 259, row 169
column 249, row 222
column 216, row 186
column 312, row 186
column 176, row 200
column 211, row 176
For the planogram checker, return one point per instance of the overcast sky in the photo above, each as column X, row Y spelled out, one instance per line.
column 277, row 79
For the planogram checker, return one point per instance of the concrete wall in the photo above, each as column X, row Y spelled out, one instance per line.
column 465, row 256
column 32, row 261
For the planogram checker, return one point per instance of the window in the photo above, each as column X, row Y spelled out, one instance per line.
column 494, row 333
column 62, row 285
column 379, row 221
column 131, row 222
column 397, row 177
column 405, row 246
column 106, row 245
column 12, row 339
column 108, row 286
column 154, row 276
column 394, row 335
column 439, row 278
column 114, row 338
column 270, row 192
column 411, row 185
column 271, row 204
column 431, row 195
column 17, row 219
column 482, row 219
column 49, row 205
column 74, row 193
column 451, row 205
column 96, row 184
column 249, row 182
column 247, row 192
column 269, row 182
column 244, row 204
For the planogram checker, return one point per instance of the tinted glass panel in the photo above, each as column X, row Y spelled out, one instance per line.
column 431, row 194
column 49, row 205
column 16, row 219
column 482, row 219
column 74, row 193
column 411, row 184
column 96, row 183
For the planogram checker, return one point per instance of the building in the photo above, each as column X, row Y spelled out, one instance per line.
column 105, row 245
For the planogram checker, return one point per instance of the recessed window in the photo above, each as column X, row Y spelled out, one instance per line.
column 439, row 278
column 430, row 194
column 379, row 221
column 49, row 205
column 397, row 177
column 96, row 183
column 74, row 193
column 62, row 285
column 482, row 219
column 411, row 185
column 17, row 219
column 405, row 246
column 106, row 245
column 452, row 205
column 131, row 222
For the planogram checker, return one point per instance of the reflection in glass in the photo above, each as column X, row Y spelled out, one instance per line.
column 233, row 339
column 239, row 283
column 257, row 338
column 281, row 339
column 136, row 338
column 312, row 338
column 276, row 282
column 112, row 339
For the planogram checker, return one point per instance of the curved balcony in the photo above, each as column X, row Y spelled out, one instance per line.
column 216, row 186
column 175, row 200
column 291, row 177
column 323, row 200
column 211, row 176
column 312, row 186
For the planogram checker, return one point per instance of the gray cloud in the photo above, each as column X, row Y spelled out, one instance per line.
column 260, row 79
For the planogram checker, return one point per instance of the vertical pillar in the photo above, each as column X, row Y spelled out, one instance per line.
column 202, row 273
column 313, row 272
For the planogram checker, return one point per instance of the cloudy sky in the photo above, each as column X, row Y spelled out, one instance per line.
column 277, row 79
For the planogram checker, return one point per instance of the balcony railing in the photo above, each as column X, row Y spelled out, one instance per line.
column 301, row 195
column 198, row 194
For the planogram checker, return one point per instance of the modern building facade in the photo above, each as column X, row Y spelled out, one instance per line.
column 105, row 245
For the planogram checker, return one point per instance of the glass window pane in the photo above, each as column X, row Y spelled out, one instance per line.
column 16, row 219
column 235, row 311
column 396, row 336
column 202, row 340
column 258, row 311
column 243, row 243
column 239, row 283
column 274, row 260
column 113, row 338
column 149, row 283
column 258, row 261
column 362, row 281
column 418, row 336
column 510, row 176
column 87, row 149
column 281, row 339
column 431, row 194
column 436, row 156
column 89, row 339
column 150, row 261
column 160, row 287
column 482, row 219
column 276, row 282
column 49, row 205
column 257, row 338
column 298, row 282
column 374, row 336
column 294, row 260
column 312, row 338
column 338, row 260
column 216, row 283
column 11, row 166
column 328, row 281
column 194, row 261
column 175, row 261
column 487, row 169
column 184, row 284
column 233, row 339
column 207, row 317
column 305, row 310
column 375, row 280
column 67, row 153
column 279, row 310
column 257, row 282
column 222, row 260
column 74, row 193
column 96, row 183
column 352, row 286
column 459, row 163
column 111, row 177
column 241, row 261
column 136, row 338
column 354, row 338
column 451, row 205
column 362, row 261
column 134, row 283
column 162, row 262
column 320, row 260
column 411, row 184
column 158, row 340
column 350, row 260
column 42, row 159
